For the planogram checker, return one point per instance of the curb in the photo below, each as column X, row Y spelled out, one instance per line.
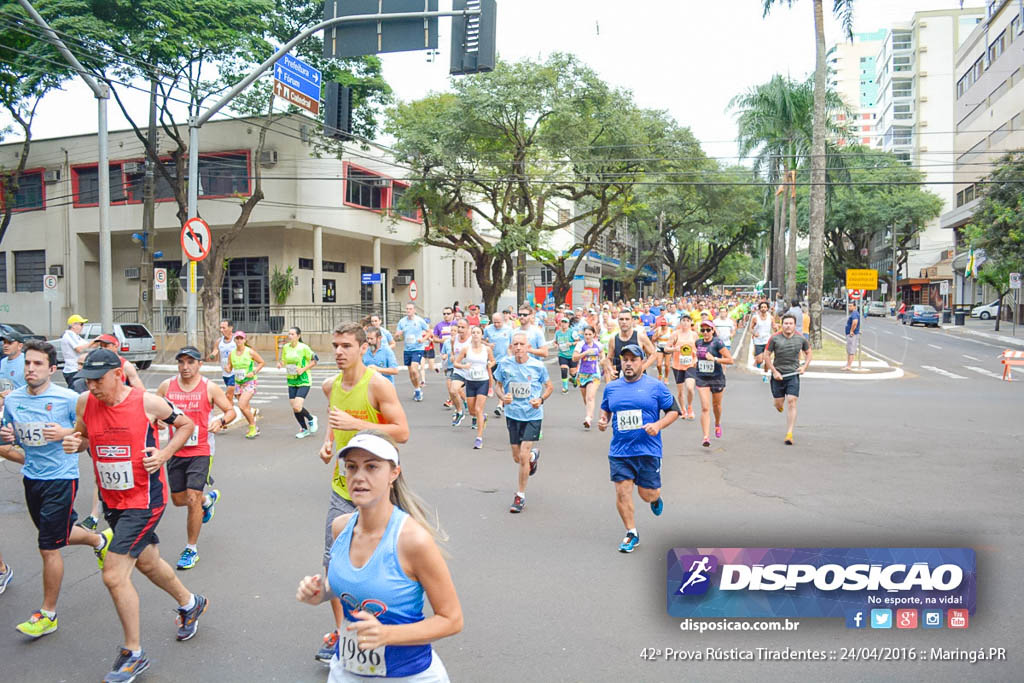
column 893, row 373
column 961, row 330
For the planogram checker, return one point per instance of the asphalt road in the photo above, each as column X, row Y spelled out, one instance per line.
column 922, row 461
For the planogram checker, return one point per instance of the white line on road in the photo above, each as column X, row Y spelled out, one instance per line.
column 887, row 331
column 970, row 357
column 983, row 371
column 935, row 347
column 944, row 373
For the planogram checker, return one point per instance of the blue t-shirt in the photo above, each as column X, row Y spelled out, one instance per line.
column 383, row 358
column 412, row 332
column 386, row 333
column 12, row 373
column 535, row 335
column 849, row 322
column 29, row 414
column 500, row 338
column 633, row 405
column 655, row 310
column 446, row 351
column 523, row 381
column 648, row 319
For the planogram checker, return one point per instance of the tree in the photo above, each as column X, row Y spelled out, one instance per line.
column 513, row 156
column 997, row 225
column 844, row 10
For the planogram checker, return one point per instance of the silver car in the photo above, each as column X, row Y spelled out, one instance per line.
column 876, row 308
column 136, row 344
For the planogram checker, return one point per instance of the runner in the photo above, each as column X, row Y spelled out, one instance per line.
column 782, row 355
column 627, row 335
column 37, row 417
column 498, row 335
column 225, row 345
column 386, row 633
column 188, row 470
column 244, row 363
column 457, row 387
column 535, row 333
column 762, row 325
column 521, row 383
column 117, row 424
column 379, row 355
column 589, row 354
column 12, row 365
column 388, row 338
column 684, row 364
column 565, row 341
column 724, row 327
column 414, row 331
column 474, row 361
column 632, row 405
column 72, row 344
column 473, row 315
column 358, row 398
column 661, row 338
column 711, row 356
column 298, row 360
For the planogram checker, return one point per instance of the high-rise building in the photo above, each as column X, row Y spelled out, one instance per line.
column 852, row 75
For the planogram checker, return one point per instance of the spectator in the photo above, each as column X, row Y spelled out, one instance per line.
column 852, row 332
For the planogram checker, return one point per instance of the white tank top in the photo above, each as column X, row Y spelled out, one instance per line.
column 477, row 370
column 457, row 347
column 762, row 329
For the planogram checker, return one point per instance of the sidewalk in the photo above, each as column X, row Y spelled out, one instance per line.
column 985, row 329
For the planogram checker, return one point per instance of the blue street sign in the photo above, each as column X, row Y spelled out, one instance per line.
column 298, row 76
column 371, row 278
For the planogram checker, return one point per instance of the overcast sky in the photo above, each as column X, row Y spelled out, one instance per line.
column 686, row 56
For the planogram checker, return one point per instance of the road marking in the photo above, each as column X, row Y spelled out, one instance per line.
column 944, row 373
column 983, row 371
column 971, row 357
column 935, row 347
column 887, row 331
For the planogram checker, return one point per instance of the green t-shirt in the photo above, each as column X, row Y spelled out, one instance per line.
column 295, row 357
column 566, row 342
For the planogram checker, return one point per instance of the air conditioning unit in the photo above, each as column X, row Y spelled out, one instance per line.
column 131, row 273
column 404, row 280
column 57, row 270
column 51, row 176
column 268, row 157
column 134, row 167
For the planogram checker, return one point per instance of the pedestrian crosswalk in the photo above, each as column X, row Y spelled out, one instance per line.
column 972, row 368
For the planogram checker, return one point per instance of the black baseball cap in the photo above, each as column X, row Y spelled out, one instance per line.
column 13, row 335
column 190, row 351
column 633, row 349
column 98, row 363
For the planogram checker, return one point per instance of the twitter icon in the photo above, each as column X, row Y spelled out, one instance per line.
column 881, row 618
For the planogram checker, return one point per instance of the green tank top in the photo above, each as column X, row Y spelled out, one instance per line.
column 355, row 402
column 242, row 366
column 293, row 358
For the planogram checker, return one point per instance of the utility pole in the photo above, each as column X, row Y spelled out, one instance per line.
column 895, row 274
column 148, row 218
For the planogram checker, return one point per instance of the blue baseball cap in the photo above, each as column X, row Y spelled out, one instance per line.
column 633, row 349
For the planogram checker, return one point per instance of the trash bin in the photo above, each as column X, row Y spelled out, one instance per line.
column 947, row 316
column 959, row 318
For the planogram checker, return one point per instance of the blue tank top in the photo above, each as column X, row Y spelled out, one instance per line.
column 383, row 589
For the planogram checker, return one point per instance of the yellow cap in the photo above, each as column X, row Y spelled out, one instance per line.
column 76, row 319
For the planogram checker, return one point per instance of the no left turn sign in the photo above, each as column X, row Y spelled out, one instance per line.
column 196, row 239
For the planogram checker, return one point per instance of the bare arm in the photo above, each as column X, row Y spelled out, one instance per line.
column 159, row 409
column 219, row 399
column 132, row 375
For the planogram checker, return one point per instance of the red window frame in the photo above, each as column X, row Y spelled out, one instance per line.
column 391, row 203
column 42, row 183
column 387, row 193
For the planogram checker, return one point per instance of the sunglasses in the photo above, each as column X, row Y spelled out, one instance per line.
column 524, row 315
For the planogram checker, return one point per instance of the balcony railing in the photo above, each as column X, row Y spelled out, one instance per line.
column 270, row 318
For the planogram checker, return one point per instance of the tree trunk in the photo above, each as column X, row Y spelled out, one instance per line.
column 520, row 277
column 779, row 251
column 791, row 255
column 560, row 289
column 816, row 254
column 771, row 244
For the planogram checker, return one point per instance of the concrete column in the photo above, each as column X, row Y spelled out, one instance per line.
column 318, row 264
column 377, row 298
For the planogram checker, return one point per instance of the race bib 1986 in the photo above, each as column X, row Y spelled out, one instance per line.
column 116, row 476
column 362, row 662
column 629, row 420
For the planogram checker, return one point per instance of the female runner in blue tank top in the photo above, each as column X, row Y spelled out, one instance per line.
column 385, row 555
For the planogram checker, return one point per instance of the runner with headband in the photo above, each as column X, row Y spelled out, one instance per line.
column 298, row 360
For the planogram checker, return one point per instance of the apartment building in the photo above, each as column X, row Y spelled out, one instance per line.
column 852, row 74
column 330, row 220
column 989, row 121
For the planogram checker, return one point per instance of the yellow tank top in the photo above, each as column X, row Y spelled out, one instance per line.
column 355, row 402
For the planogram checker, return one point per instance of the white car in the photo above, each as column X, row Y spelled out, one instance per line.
column 876, row 308
column 986, row 311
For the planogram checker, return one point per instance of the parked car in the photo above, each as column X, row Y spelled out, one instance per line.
column 26, row 333
column 136, row 343
column 921, row 314
column 876, row 308
column 986, row 311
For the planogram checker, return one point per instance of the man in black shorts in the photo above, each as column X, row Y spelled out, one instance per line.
column 782, row 356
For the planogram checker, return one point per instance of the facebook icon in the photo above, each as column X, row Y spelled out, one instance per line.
column 856, row 619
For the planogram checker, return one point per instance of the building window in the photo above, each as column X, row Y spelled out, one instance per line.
column 329, row 291
column 997, row 47
column 328, row 266
column 902, row 88
column 547, row 276
column 29, row 269
column 224, row 175
column 3, row 271
column 466, row 270
column 85, row 185
column 365, row 189
column 1014, row 26
column 30, row 195
column 397, row 192
column 135, row 181
column 902, row 111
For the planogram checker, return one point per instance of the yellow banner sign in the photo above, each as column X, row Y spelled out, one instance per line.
column 862, row 278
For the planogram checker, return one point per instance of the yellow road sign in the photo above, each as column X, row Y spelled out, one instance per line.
column 862, row 278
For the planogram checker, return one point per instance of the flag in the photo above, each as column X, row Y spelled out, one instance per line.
column 970, row 270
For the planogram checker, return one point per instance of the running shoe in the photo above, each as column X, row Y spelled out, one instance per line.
column 689, row 413
column 534, row 459
column 629, row 543
column 302, row 434
column 313, row 425
column 517, row 504
column 478, row 443
column 474, row 422
column 657, row 506
column 457, row 418
column 101, row 554
column 586, row 423
column 447, row 405
column 789, row 438
column 90, row 523
column 718, row 431
column 253, row 432
column 706, row 443
column 417, row 395
column 5, row 578
column 38, row 625
column 188, row 559
column 209, row 510
column 565, row 387
column 126, row 667
column 188, row 619
column 779, row 408
column 327, row 648
column 498, row 411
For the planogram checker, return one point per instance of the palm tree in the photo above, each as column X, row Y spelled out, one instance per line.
column 843, row 9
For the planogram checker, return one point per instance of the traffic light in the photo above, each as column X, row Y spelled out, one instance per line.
column 338, row 111
column 473, row 37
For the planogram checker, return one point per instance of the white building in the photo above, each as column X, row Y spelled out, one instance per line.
column 852, row 75
column 342, row 210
